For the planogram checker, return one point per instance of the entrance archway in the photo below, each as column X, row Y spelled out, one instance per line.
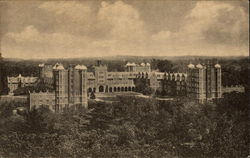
column 114, row 89
column 101, row 89
column 110, row 89
column 133, row 88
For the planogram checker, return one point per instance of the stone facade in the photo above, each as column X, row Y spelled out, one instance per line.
column 201, row 82
column 103, row 81
column 143, row 67
column 100, row 80
column 42, row 99
column 166, row 83
column 20, row 81
column 70, row 86
column 46, row 73
column 204, row 82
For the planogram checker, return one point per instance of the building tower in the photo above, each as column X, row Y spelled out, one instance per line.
column 61, row 87
column 45, row 71
column 204, row 82
column 80, row 86
column 70, row 87
column 101, row 72
column 218, row 92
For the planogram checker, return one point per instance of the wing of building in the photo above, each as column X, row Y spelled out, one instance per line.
column 20, row 81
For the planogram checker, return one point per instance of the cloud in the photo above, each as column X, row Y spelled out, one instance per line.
column 124, row 33
column 32, row 43
column 219, row 23
column 73, row 9
column 74, row 16
column 87, row 28
column 220, row 29
column 120, row 24
column 123, row 19
column 163, row 35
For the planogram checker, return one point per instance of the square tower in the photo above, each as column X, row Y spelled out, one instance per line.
column 204, row 82
column 70, row 87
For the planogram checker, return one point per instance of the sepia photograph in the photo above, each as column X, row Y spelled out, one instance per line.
column 124, row 79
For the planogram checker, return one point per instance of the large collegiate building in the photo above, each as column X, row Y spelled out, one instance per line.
column 72, row 85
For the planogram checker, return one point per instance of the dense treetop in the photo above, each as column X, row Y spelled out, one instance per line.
column 131, row 127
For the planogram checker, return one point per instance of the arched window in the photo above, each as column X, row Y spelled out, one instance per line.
column 129, row 88
column 101, row 89
column 133, row 88
column 90, row 90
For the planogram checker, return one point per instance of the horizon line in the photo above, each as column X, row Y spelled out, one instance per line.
column 51, row 58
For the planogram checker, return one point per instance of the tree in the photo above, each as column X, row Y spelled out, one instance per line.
column 148, row 91
column 162, row 65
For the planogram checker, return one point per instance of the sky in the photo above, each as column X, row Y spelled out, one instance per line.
column 94, row 28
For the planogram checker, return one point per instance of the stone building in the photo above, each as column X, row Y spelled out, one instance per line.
column 46, row 73
column 166, row 83
column 201, row 82
column 103, row 81
column 204, row 82
column 143, row 67
column 20, row 81
column 70, row 86
column 39, row 99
